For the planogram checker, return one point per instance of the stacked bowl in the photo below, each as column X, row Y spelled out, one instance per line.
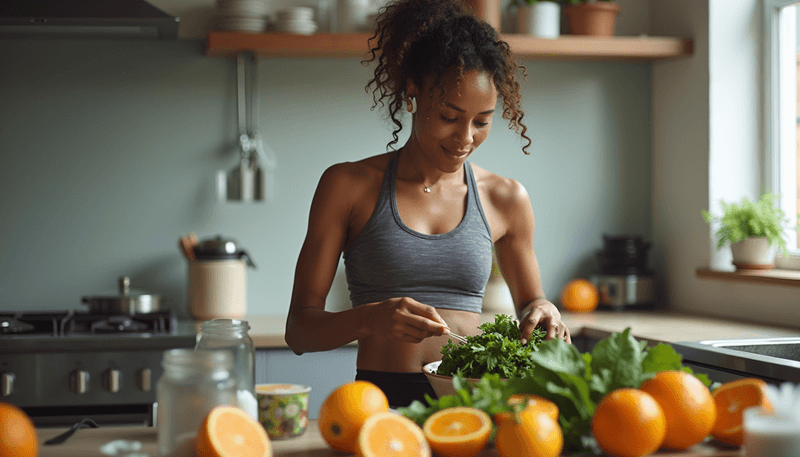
column 242, row 15
column 298, row 20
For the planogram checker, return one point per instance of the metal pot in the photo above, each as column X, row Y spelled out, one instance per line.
column 220, row 248
column 128, row 301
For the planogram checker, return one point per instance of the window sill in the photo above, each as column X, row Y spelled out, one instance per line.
column 774, row 277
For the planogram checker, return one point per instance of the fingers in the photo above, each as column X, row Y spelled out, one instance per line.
column 549, row 321
column 407, row 320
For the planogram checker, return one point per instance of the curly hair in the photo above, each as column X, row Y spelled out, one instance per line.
column 420, row 38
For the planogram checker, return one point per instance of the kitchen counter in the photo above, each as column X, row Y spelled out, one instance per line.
column 267, row 331
column 86, row 442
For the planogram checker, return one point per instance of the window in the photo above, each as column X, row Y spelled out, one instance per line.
column 782, row 123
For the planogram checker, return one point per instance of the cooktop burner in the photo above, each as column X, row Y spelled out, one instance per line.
column 55, row 324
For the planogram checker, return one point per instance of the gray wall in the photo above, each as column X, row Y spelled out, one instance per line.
column 108, row 152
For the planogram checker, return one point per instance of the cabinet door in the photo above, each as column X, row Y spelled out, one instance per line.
column 323, row 371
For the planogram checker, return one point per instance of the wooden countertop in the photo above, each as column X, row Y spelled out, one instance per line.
column 87, row 442
column 267, row 331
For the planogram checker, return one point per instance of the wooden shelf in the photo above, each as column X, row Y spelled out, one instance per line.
column 775, row 276
column 227, row 44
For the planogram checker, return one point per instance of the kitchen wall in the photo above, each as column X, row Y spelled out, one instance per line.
column 707, row 147
column 108, row 150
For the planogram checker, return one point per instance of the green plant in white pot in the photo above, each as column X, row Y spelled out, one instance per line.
column 541, row 18
column 753, row 229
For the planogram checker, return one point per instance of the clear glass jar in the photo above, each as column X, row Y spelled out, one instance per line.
column 231, row 335
column 192, row 384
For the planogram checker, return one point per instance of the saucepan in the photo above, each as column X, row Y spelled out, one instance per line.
column 127, row 301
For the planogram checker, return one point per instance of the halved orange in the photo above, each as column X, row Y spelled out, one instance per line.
column 228, row 431
column 388, row 433
column 458, row 432
column 732, row 398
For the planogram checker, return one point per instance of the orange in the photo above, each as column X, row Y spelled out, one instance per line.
column 458, row 432
column 531, row 432
column 731, row 399
column 228, row 431
column 535, row 401
column 580, row 296
column 344, row 411
column 628, row 423
column 17, row 432
column 688, row 407
column 390, row 434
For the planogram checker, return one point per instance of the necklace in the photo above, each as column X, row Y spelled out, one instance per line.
column 426, row 188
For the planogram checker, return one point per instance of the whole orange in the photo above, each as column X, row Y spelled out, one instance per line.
column 531, row 432
column 344, row 411
column 17, row 432
column 628, row 423
column 688, row 407
column 580, row 296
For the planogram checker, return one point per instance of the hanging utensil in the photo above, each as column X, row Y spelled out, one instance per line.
column 252, row 179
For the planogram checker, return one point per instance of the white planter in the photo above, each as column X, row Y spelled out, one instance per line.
column 754, row 254
column 542, row 19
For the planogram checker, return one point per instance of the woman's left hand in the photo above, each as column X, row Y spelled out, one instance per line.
column 542, row 313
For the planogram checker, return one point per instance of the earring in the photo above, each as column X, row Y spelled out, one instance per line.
column 413, row 105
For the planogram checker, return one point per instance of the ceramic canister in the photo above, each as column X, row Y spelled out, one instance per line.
column 218, row 289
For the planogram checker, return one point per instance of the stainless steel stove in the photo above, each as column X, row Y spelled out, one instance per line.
column 64, row 366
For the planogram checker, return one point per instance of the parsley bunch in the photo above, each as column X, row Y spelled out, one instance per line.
column 497, row 351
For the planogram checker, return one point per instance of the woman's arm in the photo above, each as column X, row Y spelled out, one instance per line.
column 520, row 268
column 309, row 327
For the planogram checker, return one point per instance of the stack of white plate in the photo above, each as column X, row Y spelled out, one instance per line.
column 298, row 20
column 242, row 15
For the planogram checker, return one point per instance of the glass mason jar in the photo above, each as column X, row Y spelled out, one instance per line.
column 192, row 384
column 231, row 335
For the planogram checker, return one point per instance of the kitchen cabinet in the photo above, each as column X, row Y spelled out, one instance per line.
column 568, row 47
column 323, row 371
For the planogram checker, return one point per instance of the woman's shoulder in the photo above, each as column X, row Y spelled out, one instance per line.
column 353, row 175
column 502, row 191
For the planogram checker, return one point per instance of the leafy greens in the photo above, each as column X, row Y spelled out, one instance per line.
column 574, row 381
column 497, row 350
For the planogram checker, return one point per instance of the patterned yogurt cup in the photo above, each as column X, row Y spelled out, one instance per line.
column 283, row 409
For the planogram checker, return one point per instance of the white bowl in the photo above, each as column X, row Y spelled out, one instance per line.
column 297, row 27
column 442, row 385
column 299, row 13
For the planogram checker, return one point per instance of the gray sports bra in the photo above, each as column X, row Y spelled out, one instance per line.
column 448, row 270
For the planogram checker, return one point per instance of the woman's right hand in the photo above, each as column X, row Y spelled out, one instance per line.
column 405, row 319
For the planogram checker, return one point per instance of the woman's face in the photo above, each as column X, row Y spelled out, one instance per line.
column 449, row 127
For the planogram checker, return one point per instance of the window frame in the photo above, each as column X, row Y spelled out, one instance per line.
column 772, row 175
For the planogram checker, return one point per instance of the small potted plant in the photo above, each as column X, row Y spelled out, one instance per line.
column 591, row 17
column 754, row 231
column 541, row 18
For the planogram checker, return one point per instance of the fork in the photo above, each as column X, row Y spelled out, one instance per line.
column 457, row 337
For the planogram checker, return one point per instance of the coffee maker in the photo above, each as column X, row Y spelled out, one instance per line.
column 623, row 279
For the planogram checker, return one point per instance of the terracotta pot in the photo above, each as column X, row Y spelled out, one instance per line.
column 595, row 19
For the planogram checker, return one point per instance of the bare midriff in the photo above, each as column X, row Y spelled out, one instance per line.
column 378, row 353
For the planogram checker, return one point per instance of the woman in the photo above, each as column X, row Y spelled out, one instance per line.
column 417, row 225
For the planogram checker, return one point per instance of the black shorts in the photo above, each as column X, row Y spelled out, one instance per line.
column 400, row 388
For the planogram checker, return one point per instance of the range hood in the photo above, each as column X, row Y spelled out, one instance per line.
column 124, row 18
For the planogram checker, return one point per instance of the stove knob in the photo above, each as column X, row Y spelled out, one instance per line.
column 112, row 380
column 144, row 379
column 79, row 381
column 6, row 384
